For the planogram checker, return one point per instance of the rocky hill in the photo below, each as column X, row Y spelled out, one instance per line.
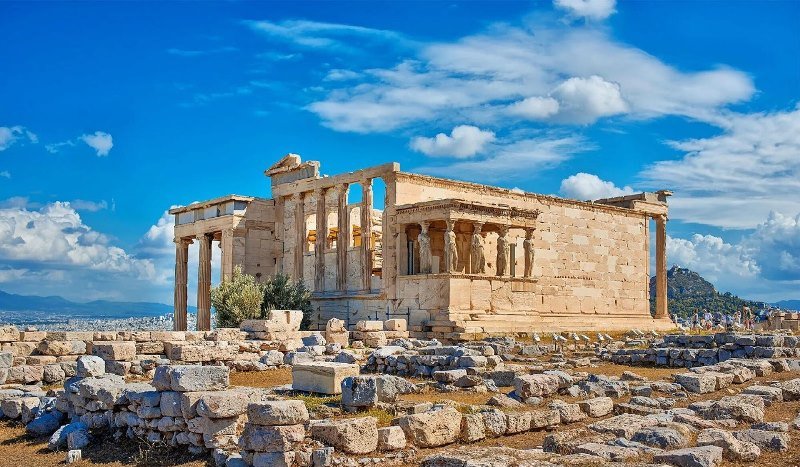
column 688, row 291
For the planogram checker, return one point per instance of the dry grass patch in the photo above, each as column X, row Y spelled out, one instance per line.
column 461, row 397
column 262, row 379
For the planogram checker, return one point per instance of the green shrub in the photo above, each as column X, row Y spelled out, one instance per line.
column 237, row 299
column 281, row 293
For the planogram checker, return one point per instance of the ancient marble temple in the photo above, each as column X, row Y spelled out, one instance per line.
column 458, row 260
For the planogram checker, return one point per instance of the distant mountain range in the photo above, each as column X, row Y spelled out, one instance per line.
column 688, row 291
column 14, row 305
column 789, row 304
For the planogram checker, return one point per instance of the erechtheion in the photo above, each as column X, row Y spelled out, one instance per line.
column 456, row 259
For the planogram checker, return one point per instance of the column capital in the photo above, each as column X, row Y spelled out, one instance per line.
column 424, row 225
column 183, row 241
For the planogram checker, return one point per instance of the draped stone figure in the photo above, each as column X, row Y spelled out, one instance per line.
column 424, row 241
column 450, row 248
column 476, row 259
column 503, row 251
column 527, row 245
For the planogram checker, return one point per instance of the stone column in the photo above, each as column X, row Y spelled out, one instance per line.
column 425, row 255
column 204, row 284
column 450, row 248
column 299, row 235
column 181, row 271
column 366, row 234
column 401, row 247
column 319, row 242
column 503, row 251
column 342, row 238
column 226, row 247
column 477, row 262
column 661, row 266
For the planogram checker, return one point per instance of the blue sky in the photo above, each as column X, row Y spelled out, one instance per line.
column 110, row 113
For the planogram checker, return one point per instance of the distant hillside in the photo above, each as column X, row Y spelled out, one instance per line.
column 789, row 304
column 14, row 304
column 688, row 292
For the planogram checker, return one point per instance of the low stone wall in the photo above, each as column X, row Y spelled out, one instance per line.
column 421, row 358
column 700, row 350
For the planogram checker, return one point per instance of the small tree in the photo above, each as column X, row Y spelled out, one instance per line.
column 281, row 293
column 237, row 299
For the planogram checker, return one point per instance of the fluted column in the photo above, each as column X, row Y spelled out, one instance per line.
column 181, row 268
column 343, row 238
column 661, row 266
column 299, row 235
column 204, row 284
column 319, row 243
column 366, row 234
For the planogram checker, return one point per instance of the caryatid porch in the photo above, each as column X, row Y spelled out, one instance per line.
column 453, row 237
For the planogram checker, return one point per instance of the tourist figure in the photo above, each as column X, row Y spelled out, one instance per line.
column 477, row 261
column 748, row 318
column 709, row 319
column 696, row 321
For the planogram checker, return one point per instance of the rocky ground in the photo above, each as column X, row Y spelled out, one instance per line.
column 18, row 449
column 411, row 402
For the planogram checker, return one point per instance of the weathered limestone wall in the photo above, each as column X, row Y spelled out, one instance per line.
column 591, row 263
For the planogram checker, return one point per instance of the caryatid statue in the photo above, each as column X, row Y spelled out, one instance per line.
column 527, row 245
column 450, row 248
column 476, row 259
column 424, row 241
column 503, row 251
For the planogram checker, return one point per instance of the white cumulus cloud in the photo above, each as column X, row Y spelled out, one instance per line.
column 763, row 264
column 464, row 141
column 584, row 100
column 55, row 236
column 584, row 186
column 100, row 141
column 590, row 9
column 535, row 107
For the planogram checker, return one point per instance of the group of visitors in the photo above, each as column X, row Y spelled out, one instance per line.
column 704, row 319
